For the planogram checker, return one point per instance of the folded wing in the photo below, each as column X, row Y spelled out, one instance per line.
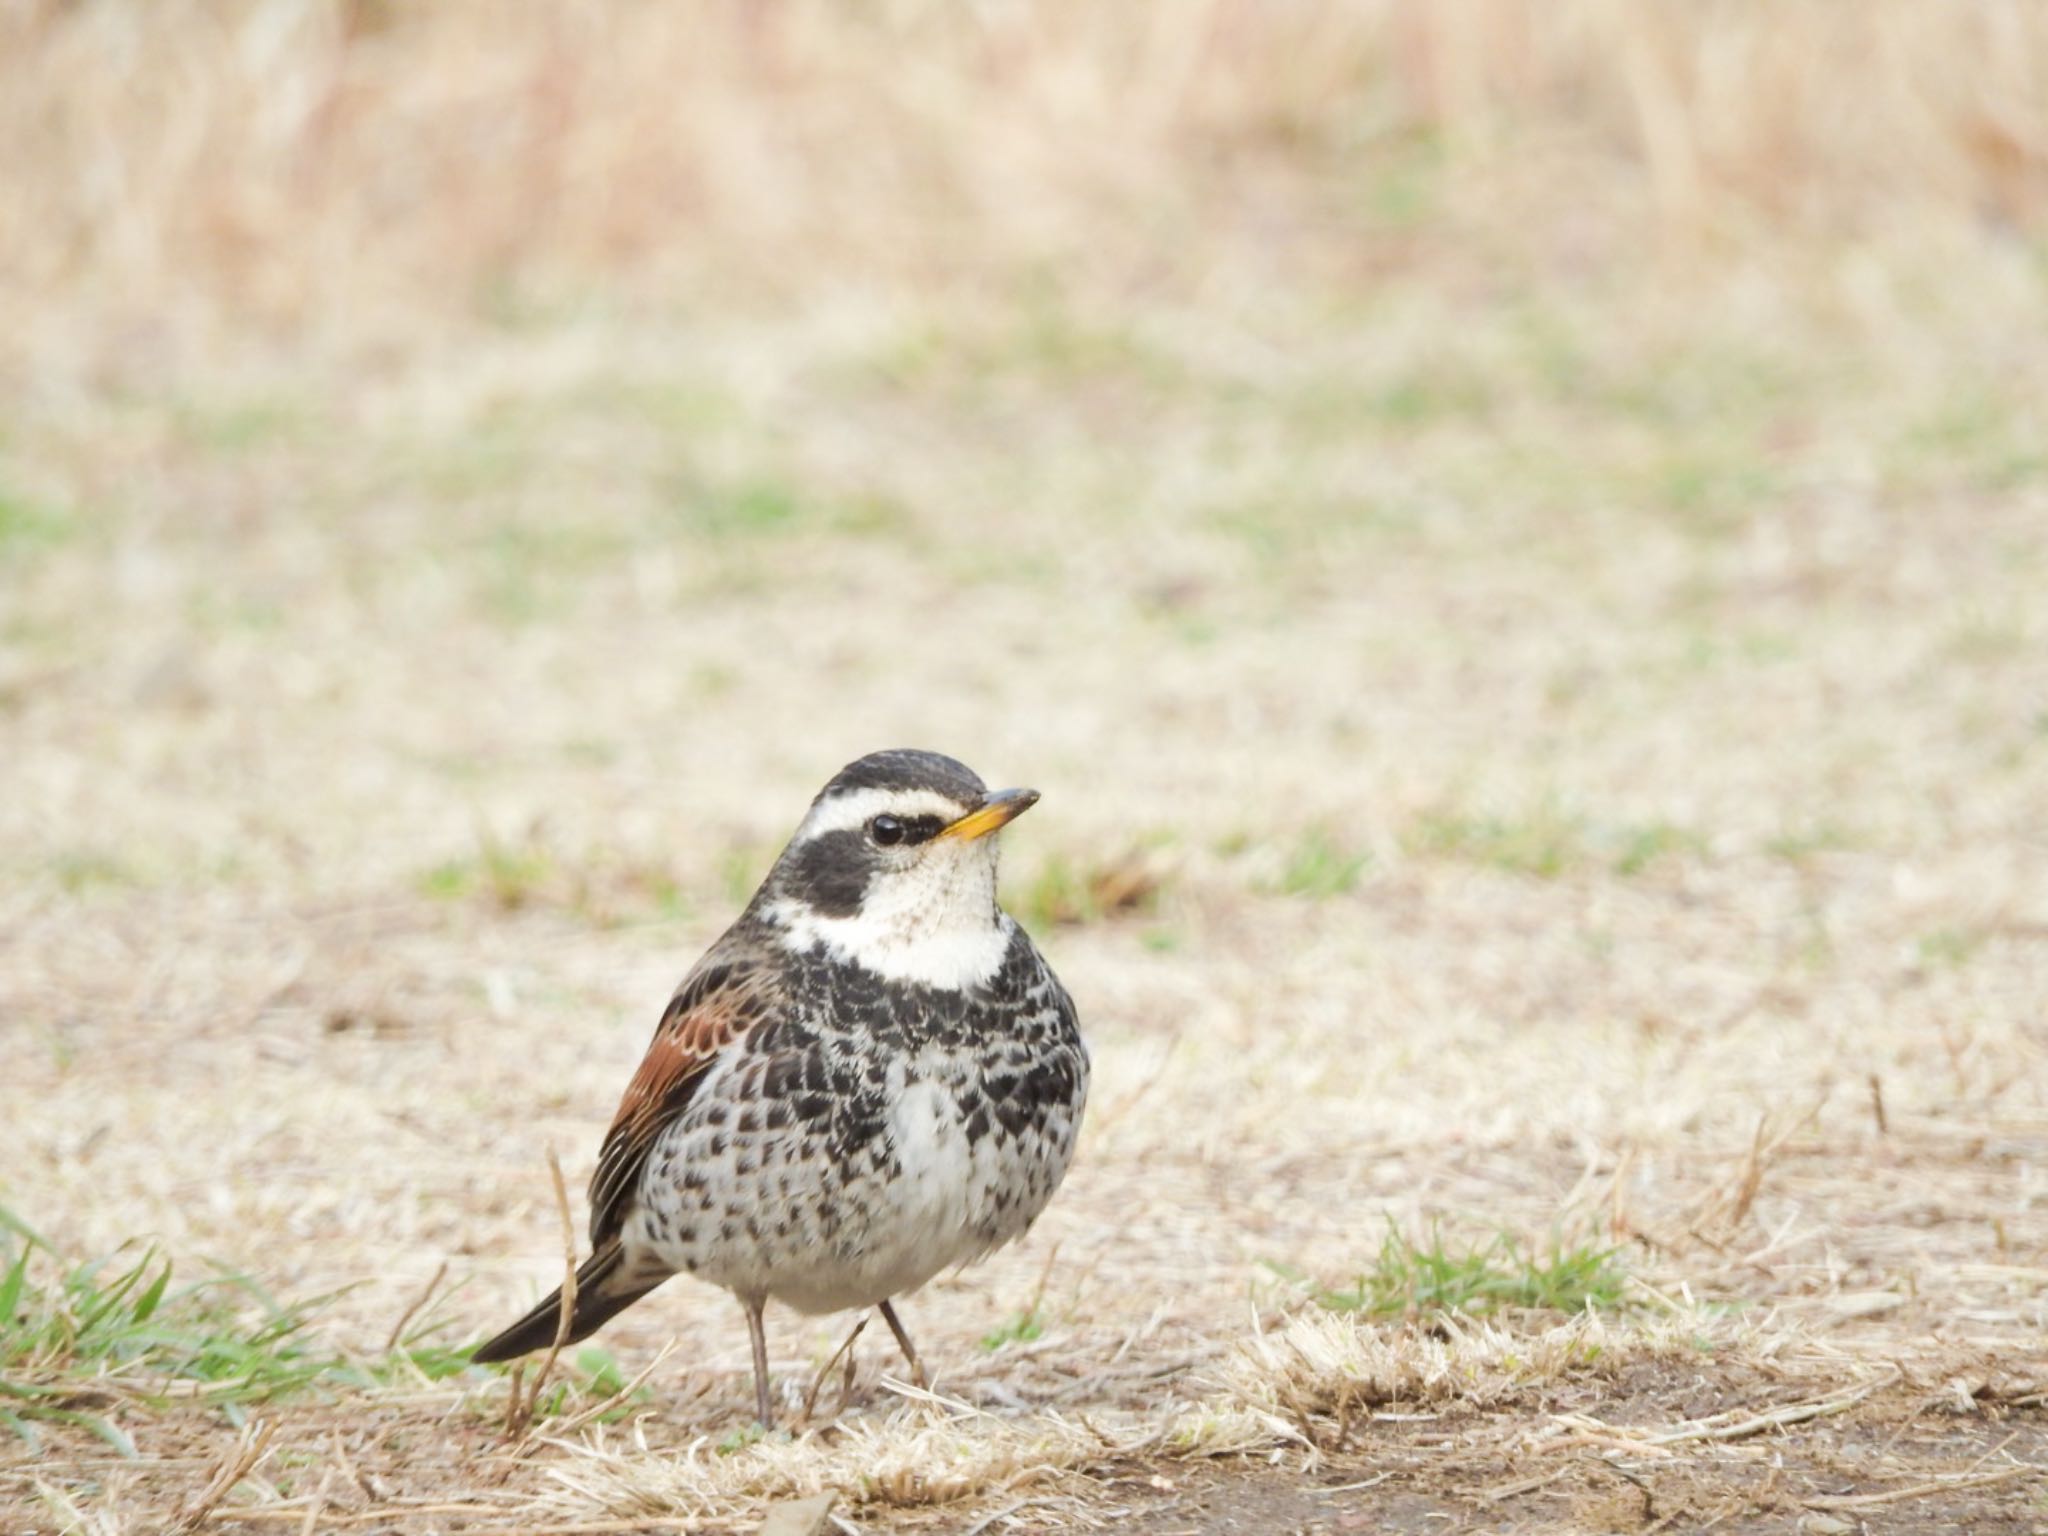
column 726, row 996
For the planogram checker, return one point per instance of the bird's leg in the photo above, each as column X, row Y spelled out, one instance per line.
column 758, row 1332
column 903, row 1343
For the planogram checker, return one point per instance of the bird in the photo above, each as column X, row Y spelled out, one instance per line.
column 871, row 1077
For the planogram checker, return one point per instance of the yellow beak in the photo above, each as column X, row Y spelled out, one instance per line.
column 992, row 815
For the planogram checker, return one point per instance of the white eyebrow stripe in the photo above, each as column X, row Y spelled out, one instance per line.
column 844, row 812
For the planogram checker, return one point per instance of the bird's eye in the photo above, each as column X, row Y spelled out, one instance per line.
column 886, row 830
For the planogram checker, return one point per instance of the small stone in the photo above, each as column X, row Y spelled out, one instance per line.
column 801, row 1517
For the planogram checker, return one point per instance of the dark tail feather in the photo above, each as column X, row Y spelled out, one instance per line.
column 605, row 1286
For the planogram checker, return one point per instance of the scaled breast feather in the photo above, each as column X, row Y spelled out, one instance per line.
column 723, row 998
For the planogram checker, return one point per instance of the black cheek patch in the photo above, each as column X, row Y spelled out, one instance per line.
column 830, row 873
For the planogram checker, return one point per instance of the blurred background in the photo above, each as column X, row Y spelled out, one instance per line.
column 523, row 444
column 1553, row 495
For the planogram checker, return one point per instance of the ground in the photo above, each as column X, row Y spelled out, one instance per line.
column 1532, row 650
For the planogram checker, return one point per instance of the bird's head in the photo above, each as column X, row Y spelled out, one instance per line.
column 894, row 869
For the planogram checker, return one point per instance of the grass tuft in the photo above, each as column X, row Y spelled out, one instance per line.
column 1542, row 844
column 509, row 876
column 1067, row 892
column 1948, row 948
column 1635, row 848
column 1547, row 843
column 739, row 1439
column 1321, row 865
column 1417, row 1279
column 1802, row 844
column 596, row 1376
column 79, row 1341
column 29, row 526
column 603, row 886
column 1020, row 1328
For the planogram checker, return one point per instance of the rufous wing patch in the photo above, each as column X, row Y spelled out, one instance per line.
column 718, row 1002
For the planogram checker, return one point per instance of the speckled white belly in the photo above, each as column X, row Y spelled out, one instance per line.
column 928, row 1218
column 777, row 1217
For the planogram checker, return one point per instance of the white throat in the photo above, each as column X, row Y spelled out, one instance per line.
column 937, row 925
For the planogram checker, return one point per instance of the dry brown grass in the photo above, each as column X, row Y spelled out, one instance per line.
column 1511, row 541
column 353, row 173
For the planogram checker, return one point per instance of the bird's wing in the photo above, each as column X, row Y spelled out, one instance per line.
column 729, row 993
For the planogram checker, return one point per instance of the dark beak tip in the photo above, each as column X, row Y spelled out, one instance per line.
column 1015, row 802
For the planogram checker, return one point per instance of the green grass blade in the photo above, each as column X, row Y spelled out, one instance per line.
column 13, row 1223
column 23, row 1428
column 10, row 1294
column 103, row 1302
column 146, row 1304
column 133, row 1327
column 1410, row 1278
column 107, row 1430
